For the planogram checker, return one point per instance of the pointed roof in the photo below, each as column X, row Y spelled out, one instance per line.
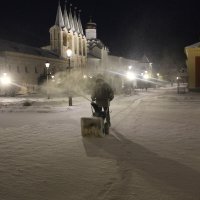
column 59, row 17
column 9, row 46
column 145, row 59
column 71, row 20
column 196, row 45
column 76, row 26
column 80, row 24
column 66, row 19
column 90, row 24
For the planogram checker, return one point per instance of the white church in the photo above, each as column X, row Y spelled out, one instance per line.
column 25, row 65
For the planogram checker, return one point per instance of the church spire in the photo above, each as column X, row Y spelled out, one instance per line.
column 59, row 17
column 71, row 20
column 76, row 22
column 66, row 18
column 79, row 23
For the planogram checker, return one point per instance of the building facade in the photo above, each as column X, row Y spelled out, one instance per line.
column 193, row 66
column 25, row 65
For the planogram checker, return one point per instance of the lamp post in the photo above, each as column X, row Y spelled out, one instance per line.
column 178, row 84
column 69, row 54
column 47, row 64
column 158, row 77
column 146, row 77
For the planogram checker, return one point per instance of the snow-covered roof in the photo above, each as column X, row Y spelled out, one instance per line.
column 6, row 45
column 196, row 45
column 95, row 43
column 145, row 59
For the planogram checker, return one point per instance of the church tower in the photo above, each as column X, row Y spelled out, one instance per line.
column 56, row 33
column 67, row 33
column 91, row 31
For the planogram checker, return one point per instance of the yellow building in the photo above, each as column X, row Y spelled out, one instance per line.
column 193, row 66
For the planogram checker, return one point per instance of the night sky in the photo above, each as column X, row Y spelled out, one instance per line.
column 158, row 29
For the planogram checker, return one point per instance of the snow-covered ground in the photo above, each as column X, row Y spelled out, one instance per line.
column 152, row 152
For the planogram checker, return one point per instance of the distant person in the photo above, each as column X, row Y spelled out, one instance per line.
column 102, row 93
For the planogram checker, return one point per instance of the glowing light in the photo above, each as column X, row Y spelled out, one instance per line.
column 130, row 76
column 146, row 76
column 47, row 64
column 5, row 79
column 84, row 76
column 69, row 52
column 130, row 67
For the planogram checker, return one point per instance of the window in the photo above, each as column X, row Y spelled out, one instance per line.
column 84, row 46
column 64, row 40
column 70, row 42
column 18, row 69
column 36, row 70
column 75, row 45
column 26, row 69
column 80, row 46
column 55, row 35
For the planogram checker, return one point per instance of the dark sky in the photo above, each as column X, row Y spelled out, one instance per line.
column 130, row 28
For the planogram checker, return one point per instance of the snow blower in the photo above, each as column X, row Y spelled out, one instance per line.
column 95, row 125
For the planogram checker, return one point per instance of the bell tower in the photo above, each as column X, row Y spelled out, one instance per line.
column 67, row 33
column 91, row 30
column 56, row 33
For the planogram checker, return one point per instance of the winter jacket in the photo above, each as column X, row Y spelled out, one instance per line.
column 102, row 93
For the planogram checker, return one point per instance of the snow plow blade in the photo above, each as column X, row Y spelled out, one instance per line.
column 92, row 126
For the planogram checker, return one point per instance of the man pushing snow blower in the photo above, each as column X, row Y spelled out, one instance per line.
column 102, row 94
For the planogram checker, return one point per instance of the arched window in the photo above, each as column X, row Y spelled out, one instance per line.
column 84, row 49
column 80, row 46
column 26, row 69
column 75, row 45
column 70, row 41
column 36, row 70
column 18, row 69
column 64, row 40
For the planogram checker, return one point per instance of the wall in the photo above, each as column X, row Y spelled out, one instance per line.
column 191, row 53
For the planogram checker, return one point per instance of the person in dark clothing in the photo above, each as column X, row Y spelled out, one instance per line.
column 102, row 93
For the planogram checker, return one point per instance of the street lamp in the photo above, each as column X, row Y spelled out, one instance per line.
column 130, row 76
column 5, row 79
column 47, row 64
column 129, row 67
column 146, row 77
column 69, row 54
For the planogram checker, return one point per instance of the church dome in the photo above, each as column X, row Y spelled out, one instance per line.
column 91, row 25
